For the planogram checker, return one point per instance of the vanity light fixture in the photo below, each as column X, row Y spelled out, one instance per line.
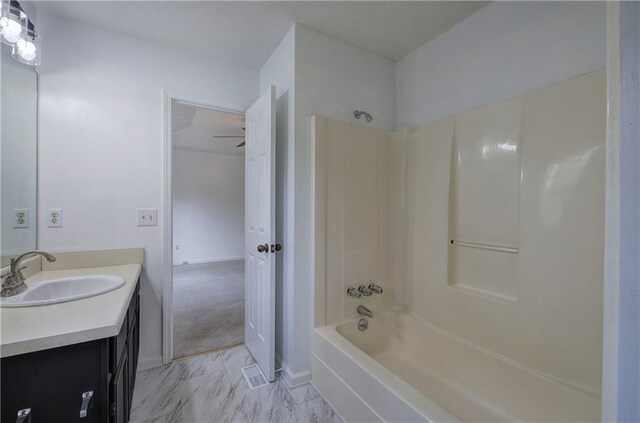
column 11, row 23
column 18, row 31
column 27, row 49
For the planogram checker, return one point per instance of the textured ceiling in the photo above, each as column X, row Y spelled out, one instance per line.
column 193, row 129
column 246, row 32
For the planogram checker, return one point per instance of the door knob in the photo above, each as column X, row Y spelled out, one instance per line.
column 263, row 248
column 276, row 247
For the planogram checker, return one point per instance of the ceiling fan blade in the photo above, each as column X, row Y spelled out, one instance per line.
column 241, row 144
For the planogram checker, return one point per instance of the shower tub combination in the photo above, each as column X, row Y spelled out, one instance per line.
column 476, row 227
column 404, row 370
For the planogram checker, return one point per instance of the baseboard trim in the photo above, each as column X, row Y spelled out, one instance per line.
column 295, row 379
column 279, row 363
column 209, row 260
column 149, row 363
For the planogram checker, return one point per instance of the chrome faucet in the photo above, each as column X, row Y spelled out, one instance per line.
column 13, row 282
column 365, row 311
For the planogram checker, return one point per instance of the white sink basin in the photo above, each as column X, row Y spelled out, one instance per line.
column 62, row 290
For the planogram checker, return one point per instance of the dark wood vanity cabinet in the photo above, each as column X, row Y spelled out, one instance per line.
column 124, row 349
column 52, row 382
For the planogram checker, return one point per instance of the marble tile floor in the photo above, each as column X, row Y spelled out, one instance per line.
column 211, row 388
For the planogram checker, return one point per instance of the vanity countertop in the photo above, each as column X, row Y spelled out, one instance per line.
column 28, row 329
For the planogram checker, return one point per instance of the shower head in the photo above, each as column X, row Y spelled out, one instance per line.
column 366, row 115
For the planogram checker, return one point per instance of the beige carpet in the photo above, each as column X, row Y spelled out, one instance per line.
column 208, row 306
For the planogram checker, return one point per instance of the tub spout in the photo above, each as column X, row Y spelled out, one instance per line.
column 365, row 311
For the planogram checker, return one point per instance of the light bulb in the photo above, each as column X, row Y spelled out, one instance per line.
column 26, row 50
column 10, row 29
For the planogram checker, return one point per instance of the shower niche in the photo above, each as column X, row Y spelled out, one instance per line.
column 484, row 194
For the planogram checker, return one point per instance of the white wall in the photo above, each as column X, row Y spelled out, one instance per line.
column 279, row 70
column 313, row 74
column 332, row 79
column 101, row 142
column 504, row 49
column 208, row 207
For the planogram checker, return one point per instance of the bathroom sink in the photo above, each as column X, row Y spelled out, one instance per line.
column 61, row 290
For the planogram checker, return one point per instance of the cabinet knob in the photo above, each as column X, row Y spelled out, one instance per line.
column 86, row 399
column 24, row 416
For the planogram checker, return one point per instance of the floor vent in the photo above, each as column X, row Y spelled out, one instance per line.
column 254, row 377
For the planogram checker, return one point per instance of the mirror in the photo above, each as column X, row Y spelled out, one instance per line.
column 18, row 156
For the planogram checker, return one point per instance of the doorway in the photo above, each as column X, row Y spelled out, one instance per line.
column 207, row 196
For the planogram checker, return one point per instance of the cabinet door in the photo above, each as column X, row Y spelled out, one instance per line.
column 117, row 345
column 120, row 392
column 136, row 338
column 51, row 383
column 132, row 349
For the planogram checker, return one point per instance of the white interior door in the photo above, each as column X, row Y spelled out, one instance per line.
column 260, row 285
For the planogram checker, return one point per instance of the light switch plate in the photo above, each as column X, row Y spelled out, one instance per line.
column 20, row 218
column 147, row 217
column 54, row 218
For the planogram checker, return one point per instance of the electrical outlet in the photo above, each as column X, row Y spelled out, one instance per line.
column 20, row 218
column 147, row 217
column 55, row 218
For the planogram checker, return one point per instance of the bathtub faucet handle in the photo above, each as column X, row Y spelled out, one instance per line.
column 352, row 292
column 365, row 291
column 376, row 289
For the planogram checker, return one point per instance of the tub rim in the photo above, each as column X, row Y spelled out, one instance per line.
column 410, row 396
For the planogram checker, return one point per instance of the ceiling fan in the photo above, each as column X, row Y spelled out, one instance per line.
column 232, row 136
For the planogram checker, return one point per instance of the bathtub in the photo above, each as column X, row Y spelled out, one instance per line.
column 403, row 370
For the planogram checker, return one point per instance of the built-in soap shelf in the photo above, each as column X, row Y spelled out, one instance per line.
column 487, row 270
column 484, row 270
column 487, row 295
